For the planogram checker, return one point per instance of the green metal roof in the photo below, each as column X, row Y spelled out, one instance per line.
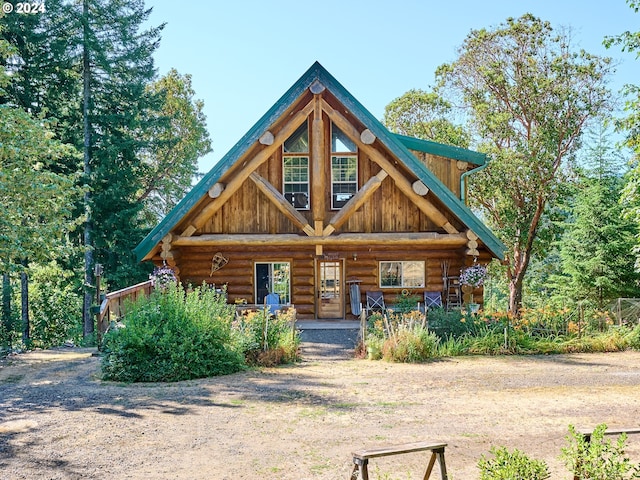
column 442, row 150
column 397, row 144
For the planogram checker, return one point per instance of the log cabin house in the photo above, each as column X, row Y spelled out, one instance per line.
column 319, row 194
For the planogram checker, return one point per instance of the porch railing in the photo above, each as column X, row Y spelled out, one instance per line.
column 114, row 304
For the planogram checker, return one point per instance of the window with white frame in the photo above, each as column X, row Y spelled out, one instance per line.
column 295, row 168
column 403, row 274
column 344, row 168
column 273, row 277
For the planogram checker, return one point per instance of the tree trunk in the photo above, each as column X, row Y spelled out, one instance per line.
column 6, row 302
column 88, row 237
column 24, row 294
column 515, row 295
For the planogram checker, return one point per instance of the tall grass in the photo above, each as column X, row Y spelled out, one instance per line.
column 453, row 334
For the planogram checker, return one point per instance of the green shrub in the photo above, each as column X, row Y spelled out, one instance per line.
column 55, row 307
column 446, row 324
column 410, row 345
column 514, row 465
column 374, row 347
column 598, row 459
column 267, row 339
column 633, row 338
column 173, row 335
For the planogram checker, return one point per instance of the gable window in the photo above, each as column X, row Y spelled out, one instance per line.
column 344, row 168
column 273, row 277
column 295, row 168
column 404, row 274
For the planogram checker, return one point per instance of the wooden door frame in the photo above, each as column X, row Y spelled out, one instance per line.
column 317, row 285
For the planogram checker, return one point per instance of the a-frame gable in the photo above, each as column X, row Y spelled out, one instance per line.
column 316, row 79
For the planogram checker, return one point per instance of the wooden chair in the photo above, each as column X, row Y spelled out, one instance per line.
column 375, row 302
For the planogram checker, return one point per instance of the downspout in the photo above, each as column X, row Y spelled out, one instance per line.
column 463, row 178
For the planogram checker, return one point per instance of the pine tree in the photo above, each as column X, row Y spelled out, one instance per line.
column 595, row 247
column 117, row 66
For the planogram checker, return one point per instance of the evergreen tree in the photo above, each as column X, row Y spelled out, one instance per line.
column 595, row 248
column 630, row 42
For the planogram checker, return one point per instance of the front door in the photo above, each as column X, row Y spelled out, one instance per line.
column 330, row 289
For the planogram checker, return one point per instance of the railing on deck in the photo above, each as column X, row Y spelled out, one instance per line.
column 114, row 303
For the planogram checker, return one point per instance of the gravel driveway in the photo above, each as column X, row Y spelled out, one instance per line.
column 59, row 421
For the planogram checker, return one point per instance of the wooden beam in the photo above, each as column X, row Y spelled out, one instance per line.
column 267, row 138
column 316, row 87
column 367, row 137
column 190, row 230
column 281, row 203
column 400, row 180
column 318, row 184
column 216, row 190
column 470, row 235
column 262, row 156
column 355, row 202
column 436, row 240
column 420, row 188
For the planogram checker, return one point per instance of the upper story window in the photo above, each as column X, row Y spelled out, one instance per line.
column 295, row 168
column 344, row 168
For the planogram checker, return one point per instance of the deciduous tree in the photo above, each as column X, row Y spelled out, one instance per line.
column 424, row 115
column 528, row 96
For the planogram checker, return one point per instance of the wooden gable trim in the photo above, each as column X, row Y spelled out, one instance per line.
column 281, row 203
column 400, row 180
column 241, row 176
column 355, row 202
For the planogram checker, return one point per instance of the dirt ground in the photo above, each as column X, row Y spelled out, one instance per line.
column 59, row 421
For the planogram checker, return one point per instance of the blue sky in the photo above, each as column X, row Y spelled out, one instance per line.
column 244, row 54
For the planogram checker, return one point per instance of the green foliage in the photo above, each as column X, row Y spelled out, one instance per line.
column 447, row 324
column 605, row 270
column 410, row 345
column 267, row 339
column 423, row 115
column 176, row 142
column 55, row 307
column 449, row 334
column 599, row 459
column 36, row 202
column 173, row 335
column 513, row 465
column 528, row 103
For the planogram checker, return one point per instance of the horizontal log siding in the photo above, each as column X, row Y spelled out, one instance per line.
column 238, row 273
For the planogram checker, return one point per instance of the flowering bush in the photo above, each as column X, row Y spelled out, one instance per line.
column 474, row 275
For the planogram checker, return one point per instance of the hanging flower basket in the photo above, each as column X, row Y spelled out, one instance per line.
column 162, row 277
column 473, row 276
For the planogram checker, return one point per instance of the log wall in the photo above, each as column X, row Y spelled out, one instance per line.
column 238, row 274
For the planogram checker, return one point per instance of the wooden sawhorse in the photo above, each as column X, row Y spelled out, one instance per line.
column 361, row 458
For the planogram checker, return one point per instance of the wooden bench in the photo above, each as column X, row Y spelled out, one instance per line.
column 587, row 436
column 629, row 431
column 361, row 458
